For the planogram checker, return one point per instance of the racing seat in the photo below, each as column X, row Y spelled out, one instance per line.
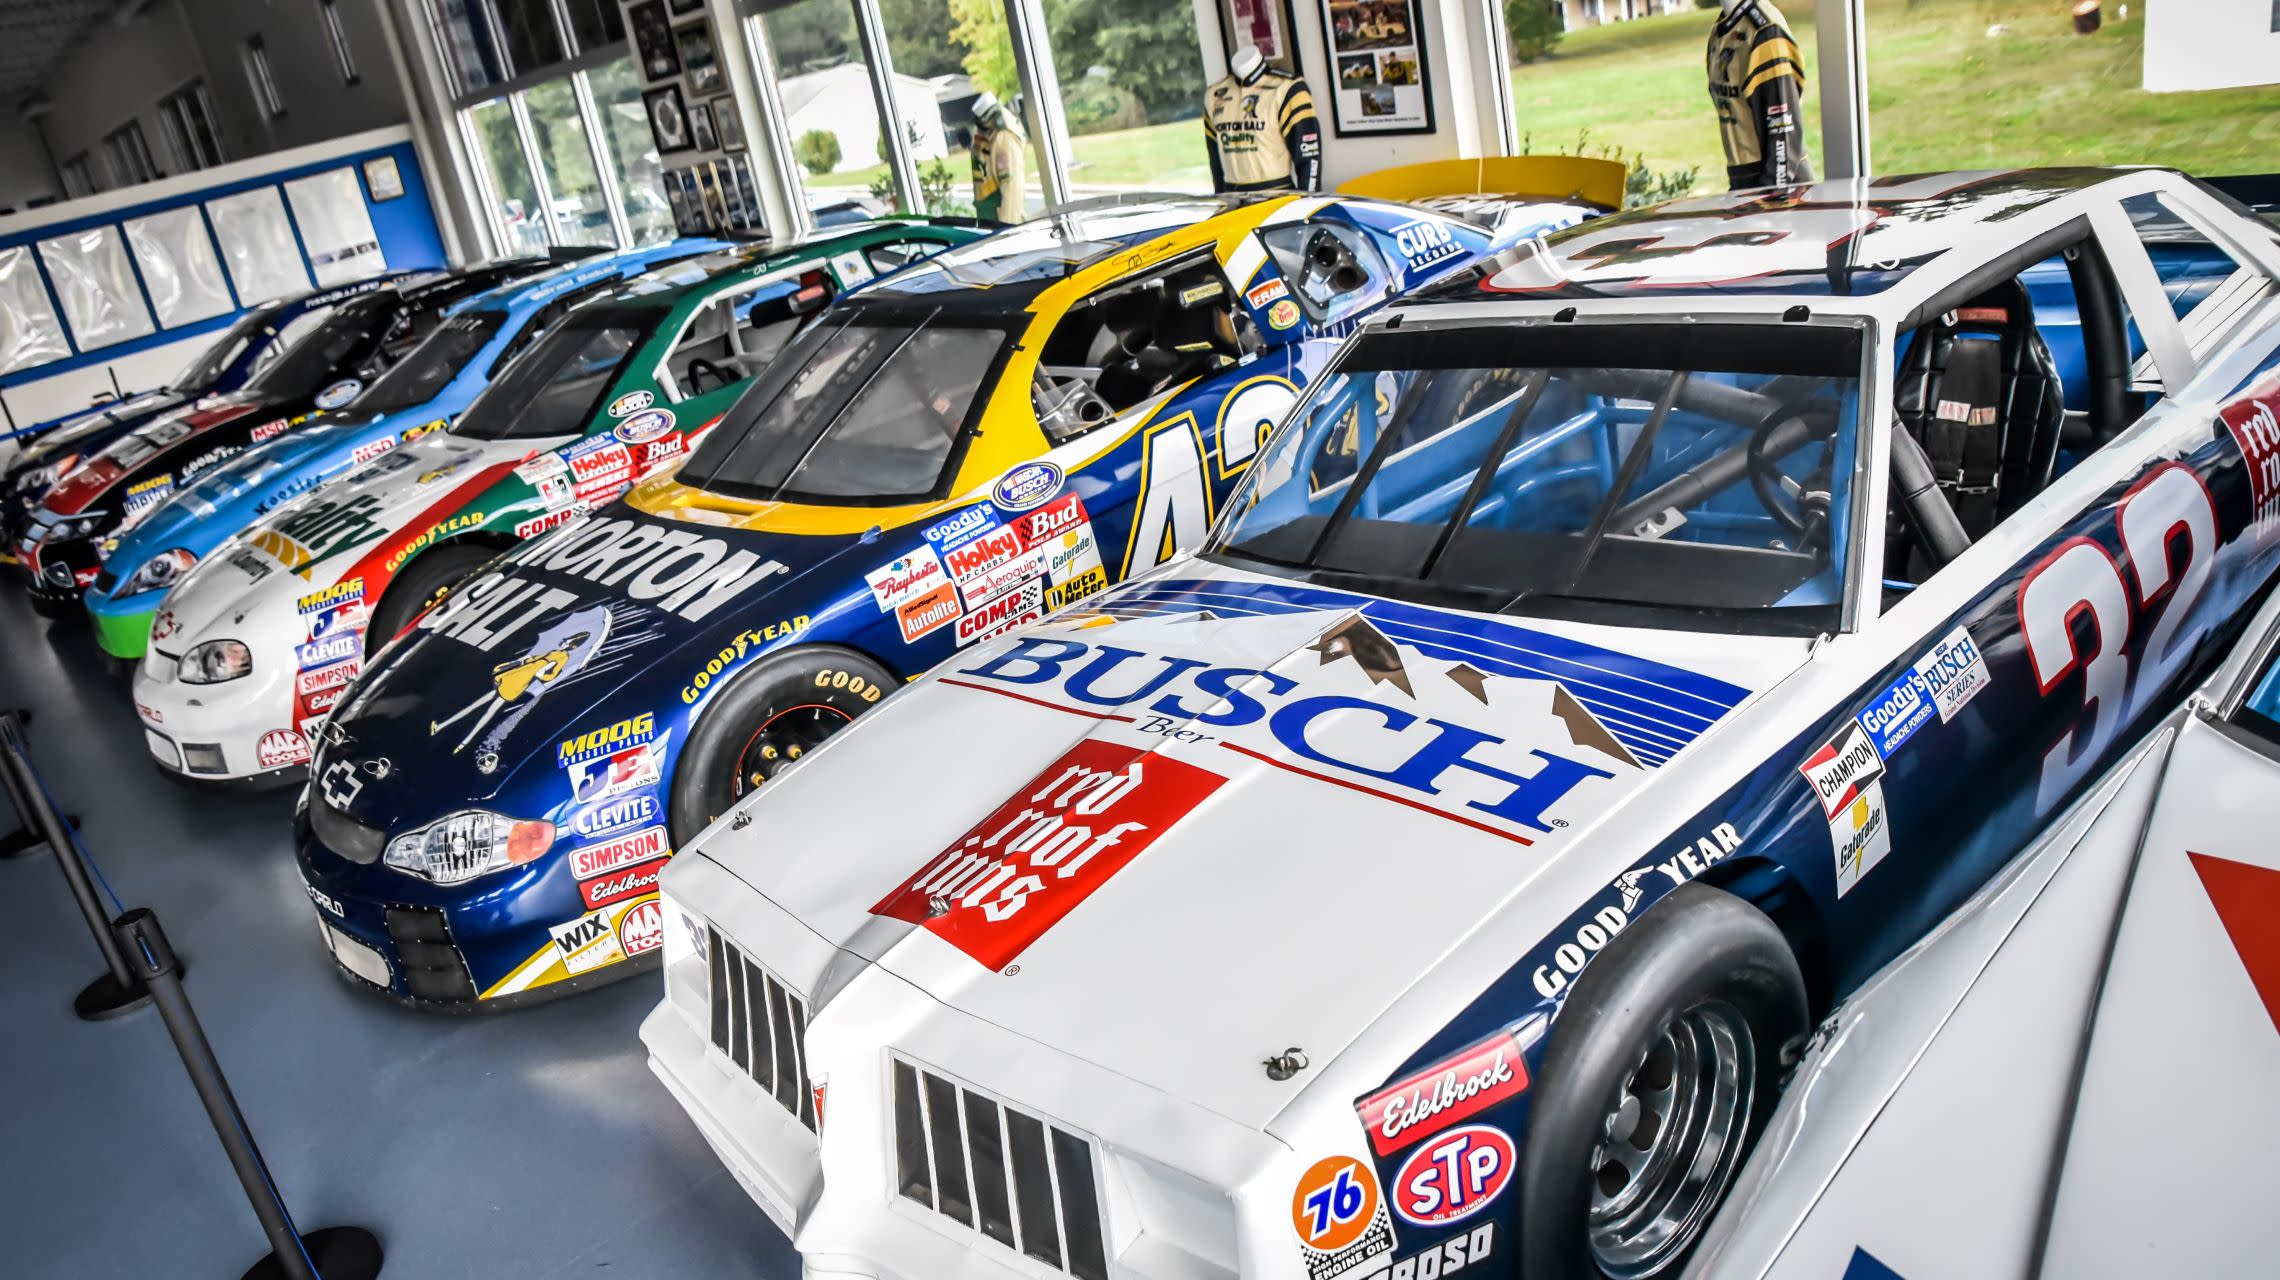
column 1979, row 392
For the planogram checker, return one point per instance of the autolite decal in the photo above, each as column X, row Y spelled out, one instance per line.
column 616, row 855
column 1023, row 868
column 928, row 614
column 617, row 886
column 1444, row 1094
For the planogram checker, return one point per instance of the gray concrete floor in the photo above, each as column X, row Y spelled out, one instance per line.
column 532, row 1144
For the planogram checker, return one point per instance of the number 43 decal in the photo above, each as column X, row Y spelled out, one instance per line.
column 2168, row 509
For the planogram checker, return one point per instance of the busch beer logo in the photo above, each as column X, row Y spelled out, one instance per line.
column 1031, row 861
column 613, row 855
column 1839, row 770
column 2256, row 431
column 1063, row 515
column 1443, row 1094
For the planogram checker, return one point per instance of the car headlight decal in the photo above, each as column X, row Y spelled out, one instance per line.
column 159, row 572
column 216, row 661
column 473, row 842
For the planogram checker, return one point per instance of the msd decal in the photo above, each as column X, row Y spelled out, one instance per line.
column 369, row 450
column 270, row 430
column 1444, row 1094
column 1453, row 1176
column 1017, row 872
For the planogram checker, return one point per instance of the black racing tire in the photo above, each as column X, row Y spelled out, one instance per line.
column 1680, row 988
column 785, row 704
column 420, row 583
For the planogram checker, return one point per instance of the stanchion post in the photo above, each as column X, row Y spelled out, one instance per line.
column 27, row 841
column 338, row 1253
column 116, row 991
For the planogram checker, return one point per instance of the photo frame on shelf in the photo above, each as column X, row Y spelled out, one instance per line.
column 701, row 127
column 1376, row 51
column 685, row 182
column 653, row 41
column 1270, row 26
column 727, row 124
column 716, row 207
column 679, row 205
column 695, row 43
column 748, row 189
column 668, row 119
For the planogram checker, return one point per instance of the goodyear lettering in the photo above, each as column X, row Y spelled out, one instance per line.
column 1687, row 862
column 629, row 732
column 855, row 684
column 734, row 651
column 442, row 529
column 1439, row 751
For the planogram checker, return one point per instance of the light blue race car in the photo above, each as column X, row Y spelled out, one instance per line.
column 423, row 393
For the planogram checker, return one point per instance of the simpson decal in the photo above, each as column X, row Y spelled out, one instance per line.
column 615, row 855
column 1443, row 1094
column 1017, row 872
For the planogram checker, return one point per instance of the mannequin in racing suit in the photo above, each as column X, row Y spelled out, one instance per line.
column 1000, row 178
column 1261, row 129
column 1757, row 85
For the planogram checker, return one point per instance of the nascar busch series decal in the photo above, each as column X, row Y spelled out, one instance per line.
column 1443, row 1094
column 1028, row 485
column 1032, row 860
column 1339, row 1215
column 1949, row 675
column 1454, row 1175
column 1846, row 775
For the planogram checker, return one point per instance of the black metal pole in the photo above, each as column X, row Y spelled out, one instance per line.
column 18, row 844
column 343, row 1253
column 114, row 992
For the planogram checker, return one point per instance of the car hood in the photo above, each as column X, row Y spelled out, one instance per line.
column 87, row 427
column 153, row 444
column 439, row 672
column 1216, row 815
column 270, row 469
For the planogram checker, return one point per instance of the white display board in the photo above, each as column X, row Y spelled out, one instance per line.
column 30, row 331
column 179, row 267
column 257, row 244
column 336, row 228
column 96, row 284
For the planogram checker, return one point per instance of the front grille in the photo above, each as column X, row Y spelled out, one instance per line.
column 105, row 581
column 58, row 574
column 203, row 757
column 353, row 840
column 433, row 968
column 760, row 1025
column 1022, row 1182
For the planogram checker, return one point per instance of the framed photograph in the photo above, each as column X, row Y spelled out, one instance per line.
column 696, row 44
column 1378, row 50
column 728, row 124
column 701, row 128
column 685, row 183
column 383, row 179
column 747, row 190
column 716, row 208
column 653, row 40
column 680, row 205
column 668, row 121
column 1265, row 25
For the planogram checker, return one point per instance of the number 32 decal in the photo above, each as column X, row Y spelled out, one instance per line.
column 2165, row 517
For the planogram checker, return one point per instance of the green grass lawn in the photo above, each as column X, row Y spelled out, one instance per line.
column 1157, row 156
column 1943, row 93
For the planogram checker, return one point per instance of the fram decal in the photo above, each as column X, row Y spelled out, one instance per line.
column 1021, row 869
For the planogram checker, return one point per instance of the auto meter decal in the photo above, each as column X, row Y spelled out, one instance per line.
column 631, row 402
column 1454, row 1175
column 339, row 393
column 1443, row 1094
column 644, row 427
column 1029, row 485
column 1017, row 872
column 1339, row 1215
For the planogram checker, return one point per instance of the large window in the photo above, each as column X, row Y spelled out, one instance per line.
column 831, row 107
column 514, row 193
column 581, row 213
column 189, row 120
column 641, row 183
column 129, row 155
column 1132, row 89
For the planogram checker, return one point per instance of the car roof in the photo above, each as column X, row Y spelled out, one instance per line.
column 1004, row 272
column 1836, row 245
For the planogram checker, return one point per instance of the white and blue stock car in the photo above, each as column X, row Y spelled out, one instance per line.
column 1619, row 655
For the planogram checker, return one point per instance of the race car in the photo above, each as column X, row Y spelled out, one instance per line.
column 948, row 454
column 2122, row 972
column 242, row 350
column 254, row 646
column 62, row 545
column 422, row 393
column 1620, row 654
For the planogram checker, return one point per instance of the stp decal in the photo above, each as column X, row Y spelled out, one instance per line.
column 1038, row 855
column 1453, row 1176
column 1444, row 1094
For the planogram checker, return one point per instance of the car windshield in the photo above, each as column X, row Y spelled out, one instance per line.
column 1697, row 471
column 352, row 330
column 228, row 347
column 863, row 412
column 432, row 364
column 554, row 388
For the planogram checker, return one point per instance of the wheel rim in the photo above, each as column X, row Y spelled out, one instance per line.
column 781, row 739
column 1671, row 1140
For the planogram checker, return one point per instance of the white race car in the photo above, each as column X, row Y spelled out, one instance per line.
column 1621, row 654
column 2091, row 1042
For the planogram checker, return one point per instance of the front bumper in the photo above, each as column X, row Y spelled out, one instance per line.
column 58, row 572
column 122, row 625
column 483, row 947
column 214, row 732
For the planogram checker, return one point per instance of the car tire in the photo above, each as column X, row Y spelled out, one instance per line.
column 421, row 583
column 1640, row 1120
column 786, row 703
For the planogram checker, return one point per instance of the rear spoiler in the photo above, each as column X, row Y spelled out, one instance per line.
column 1593, row 181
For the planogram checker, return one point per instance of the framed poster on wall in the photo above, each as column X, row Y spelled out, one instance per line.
column 1265, row 25
column 1377, row 55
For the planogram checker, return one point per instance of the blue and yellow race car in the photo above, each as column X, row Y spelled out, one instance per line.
column 955, row 452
